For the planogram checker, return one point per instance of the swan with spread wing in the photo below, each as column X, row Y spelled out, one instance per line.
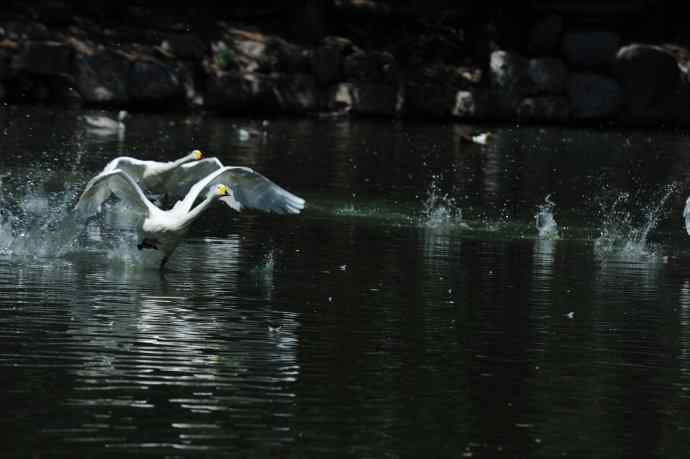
column 238, row 187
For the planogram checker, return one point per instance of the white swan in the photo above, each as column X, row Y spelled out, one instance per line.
column 163, row 229
column 152, row 176
column 105, row 125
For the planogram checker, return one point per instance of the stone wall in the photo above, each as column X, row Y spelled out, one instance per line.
column 571, row 63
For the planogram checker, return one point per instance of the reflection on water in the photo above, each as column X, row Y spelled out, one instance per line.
column 412, row 309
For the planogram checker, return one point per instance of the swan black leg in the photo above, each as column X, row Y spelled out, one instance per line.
column 148, row 244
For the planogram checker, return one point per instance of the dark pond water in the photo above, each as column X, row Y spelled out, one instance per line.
column 412, row 309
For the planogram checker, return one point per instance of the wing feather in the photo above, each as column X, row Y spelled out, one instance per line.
column 184, row 177
column 104, row 184
column 251, row 189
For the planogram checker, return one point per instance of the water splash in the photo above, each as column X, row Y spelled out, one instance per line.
column 627, row 234
column 262, row 273
column 544, row 220
column 266, row 266
column 439, row 210
column 35, row 222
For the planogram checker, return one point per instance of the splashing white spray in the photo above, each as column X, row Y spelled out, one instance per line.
column 35, row 222
column 620, row 235
column 545, row 221
column 439, row 210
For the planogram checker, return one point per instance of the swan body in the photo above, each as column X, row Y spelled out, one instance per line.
column 161, row 229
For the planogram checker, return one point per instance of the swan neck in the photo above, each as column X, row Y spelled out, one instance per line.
column 181, row 161
column 198, row 209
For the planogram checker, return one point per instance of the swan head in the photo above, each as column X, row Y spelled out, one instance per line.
column 225, row 194
column 222, row 190
column 197, row 155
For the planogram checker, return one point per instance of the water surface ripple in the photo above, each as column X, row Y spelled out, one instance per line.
column 412, row 309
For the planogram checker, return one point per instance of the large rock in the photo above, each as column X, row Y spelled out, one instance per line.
column 431, row 90
column 234, row 92
column 337, row 99
column 373, row 67
column 471, row 104
column 4, row 65
column 289, row 57
column 544, row 108
column 327, row 64
column 429, row 100
column 45, row 58
column 375, row 99
column 509, row 81
column 239, row 92
column 184, row 46
column 594, row 96
column 295, row 93
column 328, row 59
column 545, row 35
column 590, row 49
column 154, row 82
column 22, row 30
column 101, row 76
column 254, row 52
column 547, row 76
column 651, row 81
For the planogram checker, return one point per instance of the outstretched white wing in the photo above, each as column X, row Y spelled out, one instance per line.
column 118, row 182
column 184, row 177
column 133, row 167
column 250, row 189
column 686, row 215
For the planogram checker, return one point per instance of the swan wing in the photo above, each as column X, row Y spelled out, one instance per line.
column 250, row 189
column 118, row 182
column 182, row 178
column 135, row 168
